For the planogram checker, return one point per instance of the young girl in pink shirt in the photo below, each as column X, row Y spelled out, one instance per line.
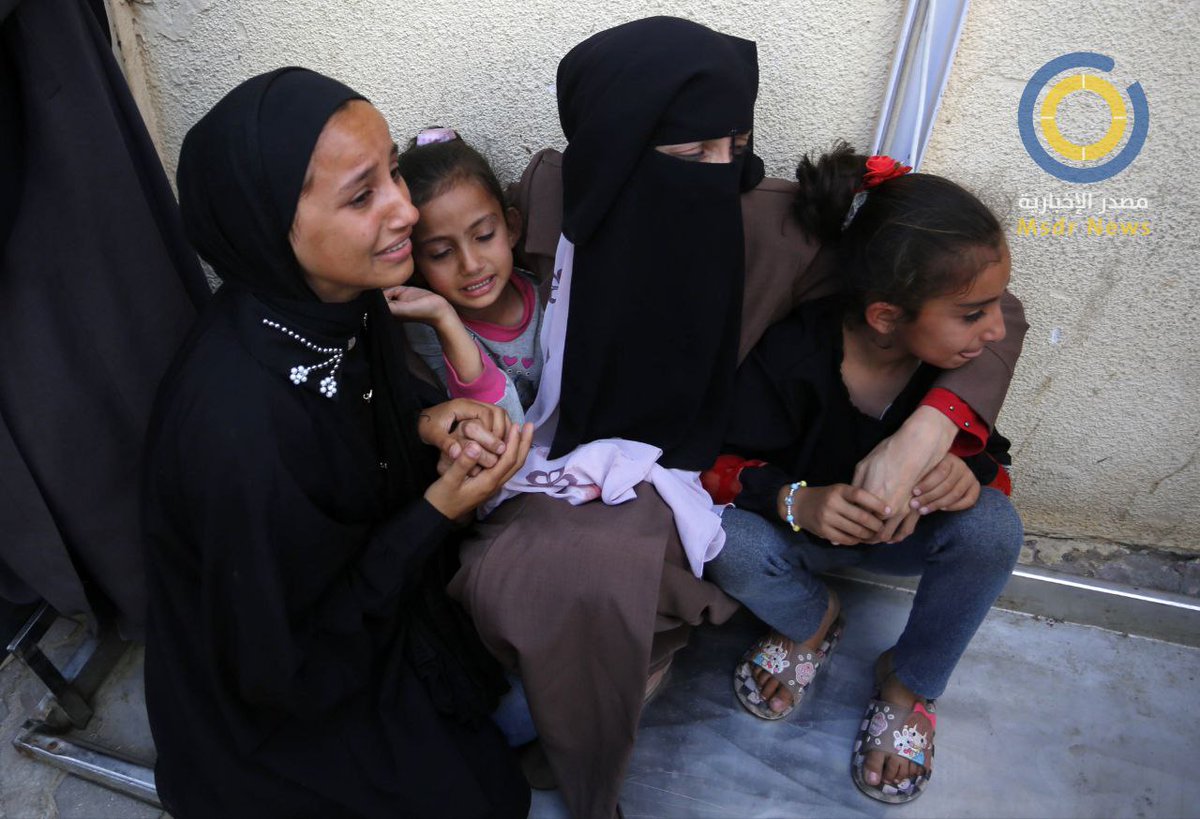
column 476, row 319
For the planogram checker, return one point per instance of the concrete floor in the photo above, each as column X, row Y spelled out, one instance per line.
column 1042, row 719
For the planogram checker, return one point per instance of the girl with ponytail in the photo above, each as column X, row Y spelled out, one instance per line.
column 921, row 268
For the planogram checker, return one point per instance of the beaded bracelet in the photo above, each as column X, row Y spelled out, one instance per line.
column 791, row 495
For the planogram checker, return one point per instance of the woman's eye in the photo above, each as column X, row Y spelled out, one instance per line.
column 689, row 156
column 437, row 255
column 487, row 237
column 971, row 318
column 395, row 173
column 361, row 200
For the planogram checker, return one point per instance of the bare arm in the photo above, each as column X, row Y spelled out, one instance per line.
column 897, row 464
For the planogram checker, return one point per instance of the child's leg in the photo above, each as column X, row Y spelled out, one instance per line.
column 771, row 571
column 964, row 559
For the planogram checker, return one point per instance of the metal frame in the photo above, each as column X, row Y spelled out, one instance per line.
column 1157, row 615
column 66, row 707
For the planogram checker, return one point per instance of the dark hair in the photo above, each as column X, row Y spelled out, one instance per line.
column 914, row 238
column 431, row 170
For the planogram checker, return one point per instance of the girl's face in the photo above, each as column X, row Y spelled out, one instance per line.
column 464, row 245
column 354, row 220
column 951, row 330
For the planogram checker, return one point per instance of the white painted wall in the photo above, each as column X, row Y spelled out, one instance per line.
column 1103, row 408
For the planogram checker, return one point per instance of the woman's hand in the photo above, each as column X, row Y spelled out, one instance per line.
column 450, row 426
column 842, row 514
column 892, row 469
column 897, row 527
column 465, row 485
column 950, row 485
column 417, row 304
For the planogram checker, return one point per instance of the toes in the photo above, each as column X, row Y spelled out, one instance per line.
column 768, row 686
column 778, row 698
column 894, row 769
column 898, row 769
column 879, row 768
column 872, row 767
column 781, row 702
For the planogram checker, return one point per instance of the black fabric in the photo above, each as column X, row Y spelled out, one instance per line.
column 98, row 286
column 656, row 289
column 792, row 410
column 302, row 657
column 238, row 185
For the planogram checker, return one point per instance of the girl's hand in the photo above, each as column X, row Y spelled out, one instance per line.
column 842, row 514
column 465, row 485
column 898, row 527
column 896, row 464
column 950, row 485
column 417, row 304
column 452, row 425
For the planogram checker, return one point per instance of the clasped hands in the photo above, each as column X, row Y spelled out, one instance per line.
column 480, row 449
column 905, row 477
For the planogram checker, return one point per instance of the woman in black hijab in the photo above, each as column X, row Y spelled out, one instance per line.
column 656, row 294
column 589, row 600
column 302, row 658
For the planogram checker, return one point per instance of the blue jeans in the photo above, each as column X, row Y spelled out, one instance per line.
column 512, row 715
column 963, row 558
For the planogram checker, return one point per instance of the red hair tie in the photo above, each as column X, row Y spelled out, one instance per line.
column 880, row 169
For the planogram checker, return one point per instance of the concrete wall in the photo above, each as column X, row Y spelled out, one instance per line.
column 1102, row 411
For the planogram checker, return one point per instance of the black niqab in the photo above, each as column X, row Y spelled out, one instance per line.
column 656, row 289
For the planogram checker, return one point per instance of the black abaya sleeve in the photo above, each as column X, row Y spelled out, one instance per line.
column 769, row 417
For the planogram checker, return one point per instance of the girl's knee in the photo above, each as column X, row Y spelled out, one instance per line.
column 747, row 556
column 1000, row 533
column 735, row 569
column 990, row 533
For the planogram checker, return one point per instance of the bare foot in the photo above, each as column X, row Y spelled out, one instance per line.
column 893, row 769
column 777, row 697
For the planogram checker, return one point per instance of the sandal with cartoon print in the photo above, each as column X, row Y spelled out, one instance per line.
column 795, row 670
column 896, row 731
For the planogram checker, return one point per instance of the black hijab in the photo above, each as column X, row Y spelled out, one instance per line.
column 656, row 290
column 241, row 171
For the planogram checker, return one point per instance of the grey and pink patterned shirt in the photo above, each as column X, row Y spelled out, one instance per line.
column 512, row 361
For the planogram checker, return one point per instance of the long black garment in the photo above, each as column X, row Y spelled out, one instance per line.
column 302, row 657
column 282, row 586
column 97, row 288
column 656, row 290
column 793, row 411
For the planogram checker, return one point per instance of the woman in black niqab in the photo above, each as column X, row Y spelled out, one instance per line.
column 656, row 291
column 302, row 658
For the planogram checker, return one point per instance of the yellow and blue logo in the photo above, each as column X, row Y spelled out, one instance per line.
column 1093, row 161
